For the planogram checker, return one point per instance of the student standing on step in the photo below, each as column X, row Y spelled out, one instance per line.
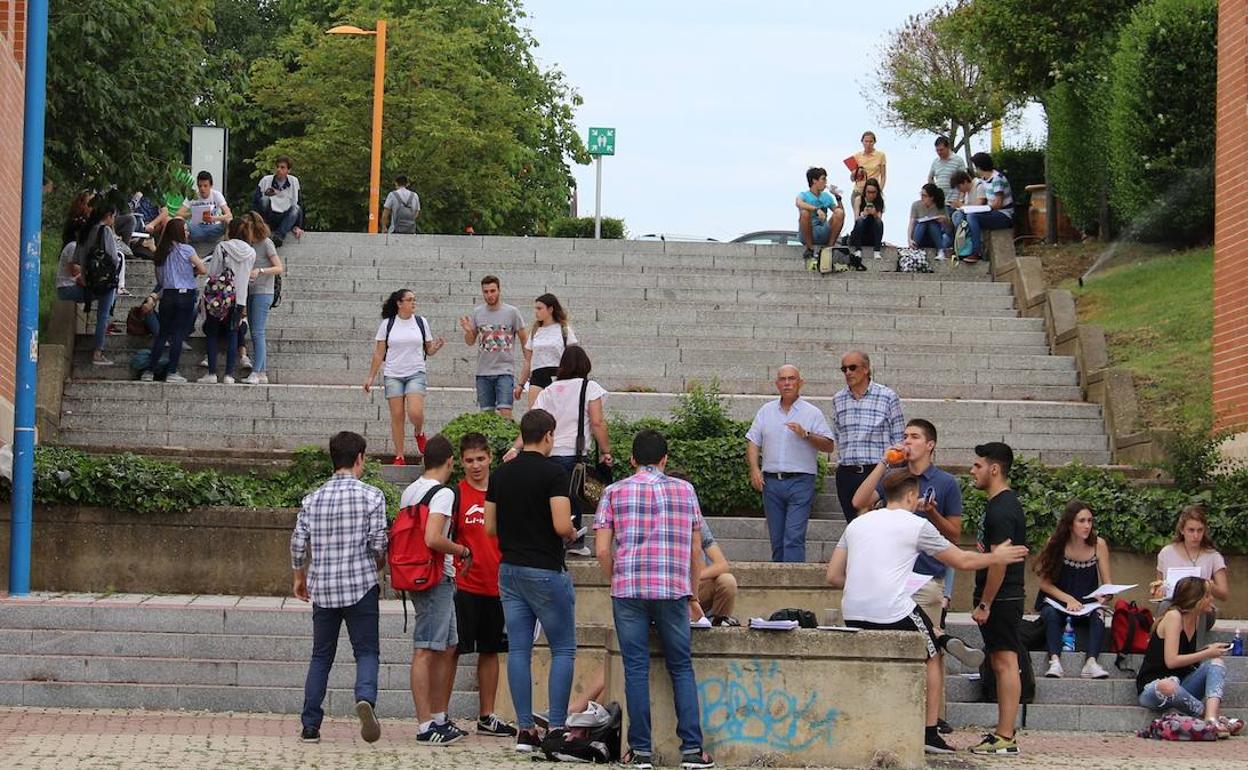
column 404, row 344
column 527, row 508
column 493, row 328
column 872, row 561
column 260, row 295
column 999, row 590
column 788, row 433
column 435, row 633
column 401, row 209
column 238, row 257
column 649, row 544
column 337, row 549
column 478, row 610
column 866, row 421
column 176, row 264
column 548, row 338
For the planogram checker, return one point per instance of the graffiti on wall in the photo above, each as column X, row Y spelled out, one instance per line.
column 753, row 705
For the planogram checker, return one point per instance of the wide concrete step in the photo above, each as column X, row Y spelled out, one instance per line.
column 1087, row 717
column 1071, row 690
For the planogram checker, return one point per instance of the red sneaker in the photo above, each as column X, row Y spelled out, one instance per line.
column 420, row 442
column 398, row 460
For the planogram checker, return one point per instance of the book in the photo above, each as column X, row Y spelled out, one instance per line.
column 772, row 625
column 851, row 163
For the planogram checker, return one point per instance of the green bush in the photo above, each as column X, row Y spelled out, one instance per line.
column 583, row 227
column 499, row 431
column 1078, row 150
column 1022, row 165
column 1162, row 120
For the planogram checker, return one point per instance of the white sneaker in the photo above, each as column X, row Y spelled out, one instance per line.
column 1055, row 669
column 147, row 376
column 256, row 378
column 940, row 255
column 227, row 380
column 858, row 253
column 244, row 361
column 877, row 255
column 175, row 378
column 208, row 379
column 1092, row 670
column 204, row 363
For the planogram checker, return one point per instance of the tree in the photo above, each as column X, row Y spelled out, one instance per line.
column 484, row 133
column 928, row 82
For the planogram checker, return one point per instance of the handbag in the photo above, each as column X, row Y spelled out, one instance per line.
column 587, row 481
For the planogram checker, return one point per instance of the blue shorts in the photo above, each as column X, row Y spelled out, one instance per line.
column 397, row 387
column 433, row 624
column 494, row 391
column 820, row 232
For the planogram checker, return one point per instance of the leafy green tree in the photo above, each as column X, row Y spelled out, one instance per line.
column 928, row 81
column 484, row 133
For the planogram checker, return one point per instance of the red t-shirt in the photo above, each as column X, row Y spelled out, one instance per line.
column 482, row 577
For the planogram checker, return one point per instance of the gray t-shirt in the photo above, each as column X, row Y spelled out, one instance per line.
column 404, row 205
column 496, row 336
column 265, row 251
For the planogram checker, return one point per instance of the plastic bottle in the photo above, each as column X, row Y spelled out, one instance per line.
column 1068, row 637
column 1237, row 643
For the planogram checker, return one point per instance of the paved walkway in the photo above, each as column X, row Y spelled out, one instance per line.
column 74, row 739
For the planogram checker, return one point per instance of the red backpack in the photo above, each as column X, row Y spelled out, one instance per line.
column 1129, row 630
column 414, row 566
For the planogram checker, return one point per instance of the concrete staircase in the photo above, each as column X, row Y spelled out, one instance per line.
column 655, row 317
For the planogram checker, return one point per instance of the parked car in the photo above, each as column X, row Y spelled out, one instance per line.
column 771, row 237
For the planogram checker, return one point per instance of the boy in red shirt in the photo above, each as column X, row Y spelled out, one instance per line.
column 478, row 610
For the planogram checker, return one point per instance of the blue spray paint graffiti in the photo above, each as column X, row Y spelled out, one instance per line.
column 753, row 706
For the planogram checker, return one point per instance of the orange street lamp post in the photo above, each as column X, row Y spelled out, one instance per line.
column 379, row 79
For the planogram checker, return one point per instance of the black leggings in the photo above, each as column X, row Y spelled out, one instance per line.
column 868, row 231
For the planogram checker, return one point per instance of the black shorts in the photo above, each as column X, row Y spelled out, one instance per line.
column 1001, row 631
column 541, row 378
column 480, row 623
column 917, row 620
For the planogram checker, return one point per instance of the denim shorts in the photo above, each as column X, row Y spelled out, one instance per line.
column 494, row 391
column 433, row 624
column 397, row 387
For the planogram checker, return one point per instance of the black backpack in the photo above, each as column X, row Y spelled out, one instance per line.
column 100, row 272
column 594, row 736
column 988, row 680
column 804, row 618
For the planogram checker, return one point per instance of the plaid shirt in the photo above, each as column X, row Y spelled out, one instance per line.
column 653, row 518
column 864, row 427
column 341, row 529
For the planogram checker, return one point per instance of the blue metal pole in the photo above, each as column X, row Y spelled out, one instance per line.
column 22, row 522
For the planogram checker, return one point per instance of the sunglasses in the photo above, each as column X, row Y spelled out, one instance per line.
column 849, row 368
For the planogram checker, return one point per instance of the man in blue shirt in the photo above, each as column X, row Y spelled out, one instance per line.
column 788, row 433
column 820, row 214
column 866, row 421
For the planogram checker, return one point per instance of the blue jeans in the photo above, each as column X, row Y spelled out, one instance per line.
column 206, row 232
column 1055, row 623
column 228, row 327
column 1207, row 681
column 632, row 629
column 280, row 222
column 362, row 627
column 103, row 307
column 786, row 504
column 988, row 220
column 931, row 235
column 495, row 391
column 868, row 231
column 258, row 306
column 177, row 316
column 530, row 594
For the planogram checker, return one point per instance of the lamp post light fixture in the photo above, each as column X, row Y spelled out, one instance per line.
column 379, row 79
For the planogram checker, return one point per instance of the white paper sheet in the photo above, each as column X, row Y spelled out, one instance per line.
column 1175, row 574
column 982, row 208
column 702, row 622
column 1109, row 589
column 915, row 582
column 846, row 629
column 773, row 625
column 1088, row 608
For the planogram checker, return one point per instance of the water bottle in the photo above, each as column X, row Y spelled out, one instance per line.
column 1237, row 643
column 1068, row 637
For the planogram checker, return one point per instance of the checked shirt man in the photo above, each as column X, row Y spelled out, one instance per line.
column 866, row 420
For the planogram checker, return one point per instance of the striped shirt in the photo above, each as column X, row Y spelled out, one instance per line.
column 942, row 170
column 653, row 518
column 864, row 427
column 341, row 531
column 996, row 185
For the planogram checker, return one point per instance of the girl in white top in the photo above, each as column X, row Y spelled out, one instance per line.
column 544, row 349
column 1193, row 550
column 404, row 341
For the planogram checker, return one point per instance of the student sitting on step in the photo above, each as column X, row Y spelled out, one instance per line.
column 820, row 214
column 1193, row 553
column 1176, row 674
column 206, row 212
column 1072, row 565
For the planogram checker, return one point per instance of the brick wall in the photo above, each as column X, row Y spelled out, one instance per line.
column 12, row 60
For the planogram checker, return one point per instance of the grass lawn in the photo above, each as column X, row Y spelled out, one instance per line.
column 49, row 258
column 1157, row 312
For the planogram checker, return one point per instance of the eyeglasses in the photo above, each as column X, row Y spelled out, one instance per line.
column 849, row 368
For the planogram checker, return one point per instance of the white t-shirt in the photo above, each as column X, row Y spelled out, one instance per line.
column 882, row 546
column 405, row 355
column 561, row 400
column 213, row 204
column 442, row 503
column 547, row 345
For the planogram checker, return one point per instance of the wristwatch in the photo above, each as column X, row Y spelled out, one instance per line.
column 981, row 606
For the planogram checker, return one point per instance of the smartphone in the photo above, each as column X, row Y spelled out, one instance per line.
column 931, row 496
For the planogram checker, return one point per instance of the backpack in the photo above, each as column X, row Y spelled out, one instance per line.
column 912, row 261
column 804, row 618
column 962, row 246
column 100, row 273
column 394, row 226
column 140, row 360
column 833, row 259
column 1176, row 727
column 988, row 680
column 1129, row 631
column 414, row 566
column 219, row 296
column 594, row 735
column 420, row 324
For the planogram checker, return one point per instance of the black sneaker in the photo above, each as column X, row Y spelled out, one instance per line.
column 493, row 726
column 528, row 741
column 310, row 735
column 541, row 719
column 439, row 735
column 638, row 760
column 943, row 727
column 696, row 760
column 450, row 727
column 277, row 240
column 933, row 743
column 370, row 728
column 552, row 744
column 808, row 254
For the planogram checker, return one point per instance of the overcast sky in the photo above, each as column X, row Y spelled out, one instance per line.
column 720, row 107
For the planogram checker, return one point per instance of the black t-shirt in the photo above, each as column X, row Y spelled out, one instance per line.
column 1003, row 520
column 521, row 492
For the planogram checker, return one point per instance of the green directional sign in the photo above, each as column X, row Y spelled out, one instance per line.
column 601, row 141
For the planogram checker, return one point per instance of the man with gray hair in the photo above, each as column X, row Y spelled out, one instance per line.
column 866, row 421
column 788, row 433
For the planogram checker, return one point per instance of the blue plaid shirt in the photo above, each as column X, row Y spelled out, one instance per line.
column 341, row 530
column 864, row 427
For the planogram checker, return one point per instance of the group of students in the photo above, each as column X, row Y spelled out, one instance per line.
column 952, row 195
column 497, row 543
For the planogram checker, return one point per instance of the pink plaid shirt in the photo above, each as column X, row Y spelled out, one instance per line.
column 653, row 518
